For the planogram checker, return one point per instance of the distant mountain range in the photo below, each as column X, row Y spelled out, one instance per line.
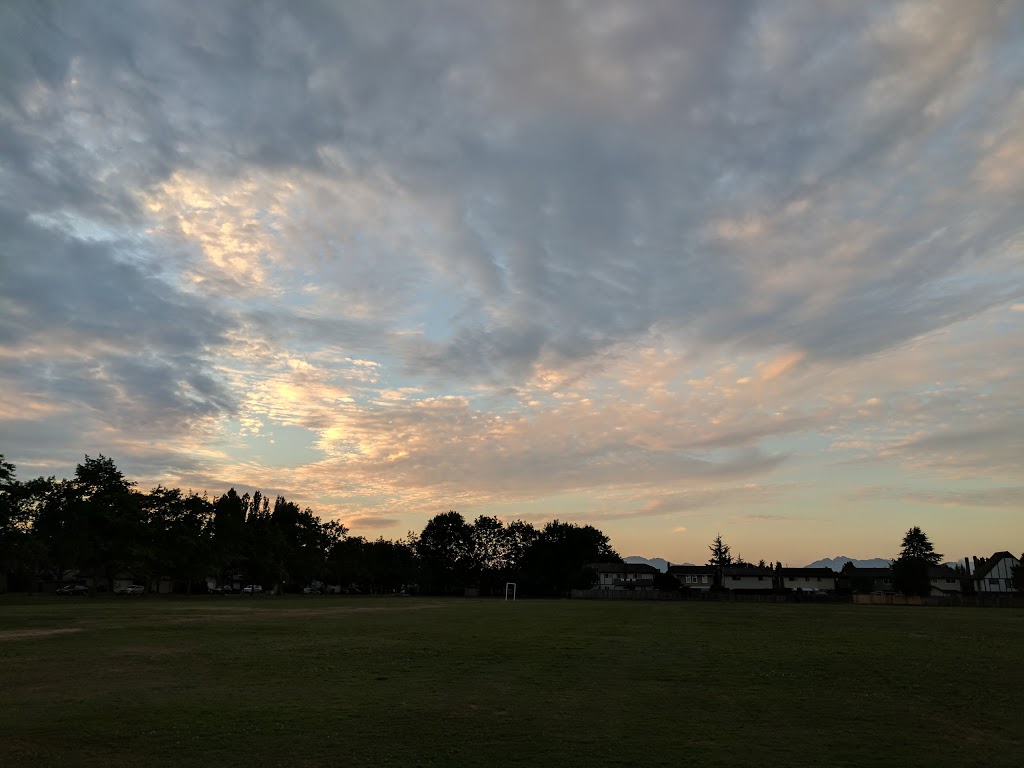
column 660, row 563
column 835, row 563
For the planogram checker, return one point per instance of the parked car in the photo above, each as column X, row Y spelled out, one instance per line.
column 312, row 590
column 224, row 589
column 252, row 589
column 133, row 589
column 73, row 589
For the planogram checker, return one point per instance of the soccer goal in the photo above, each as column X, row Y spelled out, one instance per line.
column 513, row 585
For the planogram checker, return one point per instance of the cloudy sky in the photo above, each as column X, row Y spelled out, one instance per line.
column 669, row 268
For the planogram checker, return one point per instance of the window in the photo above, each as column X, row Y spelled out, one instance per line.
column 994, row 582
column 807, row 578
column 951, row 581
column 735, row 578
column 760, row 578
column 704, row 579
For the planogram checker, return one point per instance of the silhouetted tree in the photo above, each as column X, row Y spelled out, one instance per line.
column 910, row 569
column 180, row 536
column 1018, row 576
column 720, row 553
column 666, row 582
column 229, row 536
column 109, row 530
column 21, row 553
column 445, row 549
column 557, row 558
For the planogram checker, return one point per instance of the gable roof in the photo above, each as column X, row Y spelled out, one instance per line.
column 746, row 571
column 821, row 573
column 871, row 573
column 692, row 569
column 623, row 568
column 991, row 563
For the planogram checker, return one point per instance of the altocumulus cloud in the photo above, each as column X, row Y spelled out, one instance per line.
column 617, row 256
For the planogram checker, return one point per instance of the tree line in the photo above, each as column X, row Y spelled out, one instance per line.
column 100, row 524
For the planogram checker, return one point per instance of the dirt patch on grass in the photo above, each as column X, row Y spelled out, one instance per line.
column 358, row 609
column 242, row 614
column 26, row 634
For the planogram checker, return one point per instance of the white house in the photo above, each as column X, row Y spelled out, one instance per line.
column 807, row 579
column 624, row 575
column 996, row 573
column 696, row 577
column 944, row 581
column 747, row 578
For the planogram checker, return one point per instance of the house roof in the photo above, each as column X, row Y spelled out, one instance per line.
column 871, row 573
column 991, row 563
column 942, row 572
column 746, row 571
column 692, row 569
column 624, row 568
column 821, row 573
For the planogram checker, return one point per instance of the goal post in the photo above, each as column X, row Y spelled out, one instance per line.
column 513, row 585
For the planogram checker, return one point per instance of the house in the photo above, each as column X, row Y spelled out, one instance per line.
column 945, row 582
column 869, row 579
column 747, row 579
column 624, row 575
column 697, row 577
column 996, row 573
column 807, row 579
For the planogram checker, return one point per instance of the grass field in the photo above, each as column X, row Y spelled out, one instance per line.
column 316, row 680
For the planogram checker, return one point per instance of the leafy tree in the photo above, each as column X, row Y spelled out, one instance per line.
column 489, row 552
column 94, row 521
column 1018, row 576
column 229, row 535
column 180, row 528
column 557, row 558
column 910, row 569
column 21, row 553
column 304, row 542
column 666, row 582
column 445, row 550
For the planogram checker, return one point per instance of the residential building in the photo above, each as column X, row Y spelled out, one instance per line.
column 869, row 579
column 996, row 573
column 747, row 579
column 945, row 582
column 696, row 577
column 624, row 575
column 807, row 579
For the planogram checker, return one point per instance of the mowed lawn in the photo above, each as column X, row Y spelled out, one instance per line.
column 307, row 681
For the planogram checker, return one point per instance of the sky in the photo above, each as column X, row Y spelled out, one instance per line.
column 671, row 269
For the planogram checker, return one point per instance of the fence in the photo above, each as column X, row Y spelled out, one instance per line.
column 624, row 594
column 969, row 601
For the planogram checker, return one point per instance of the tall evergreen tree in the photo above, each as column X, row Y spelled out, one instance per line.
column 721, row 555
column 910, row 569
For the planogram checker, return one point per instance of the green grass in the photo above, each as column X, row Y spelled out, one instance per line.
column 392, row 681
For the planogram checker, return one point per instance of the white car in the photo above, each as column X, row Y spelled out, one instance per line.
column 73, row 589
column 252, row 589
column 133, row 589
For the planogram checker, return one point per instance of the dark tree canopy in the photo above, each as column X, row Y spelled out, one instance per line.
column 917, row 545
column 910, row 569
column 100, row 528
column 720, row 553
